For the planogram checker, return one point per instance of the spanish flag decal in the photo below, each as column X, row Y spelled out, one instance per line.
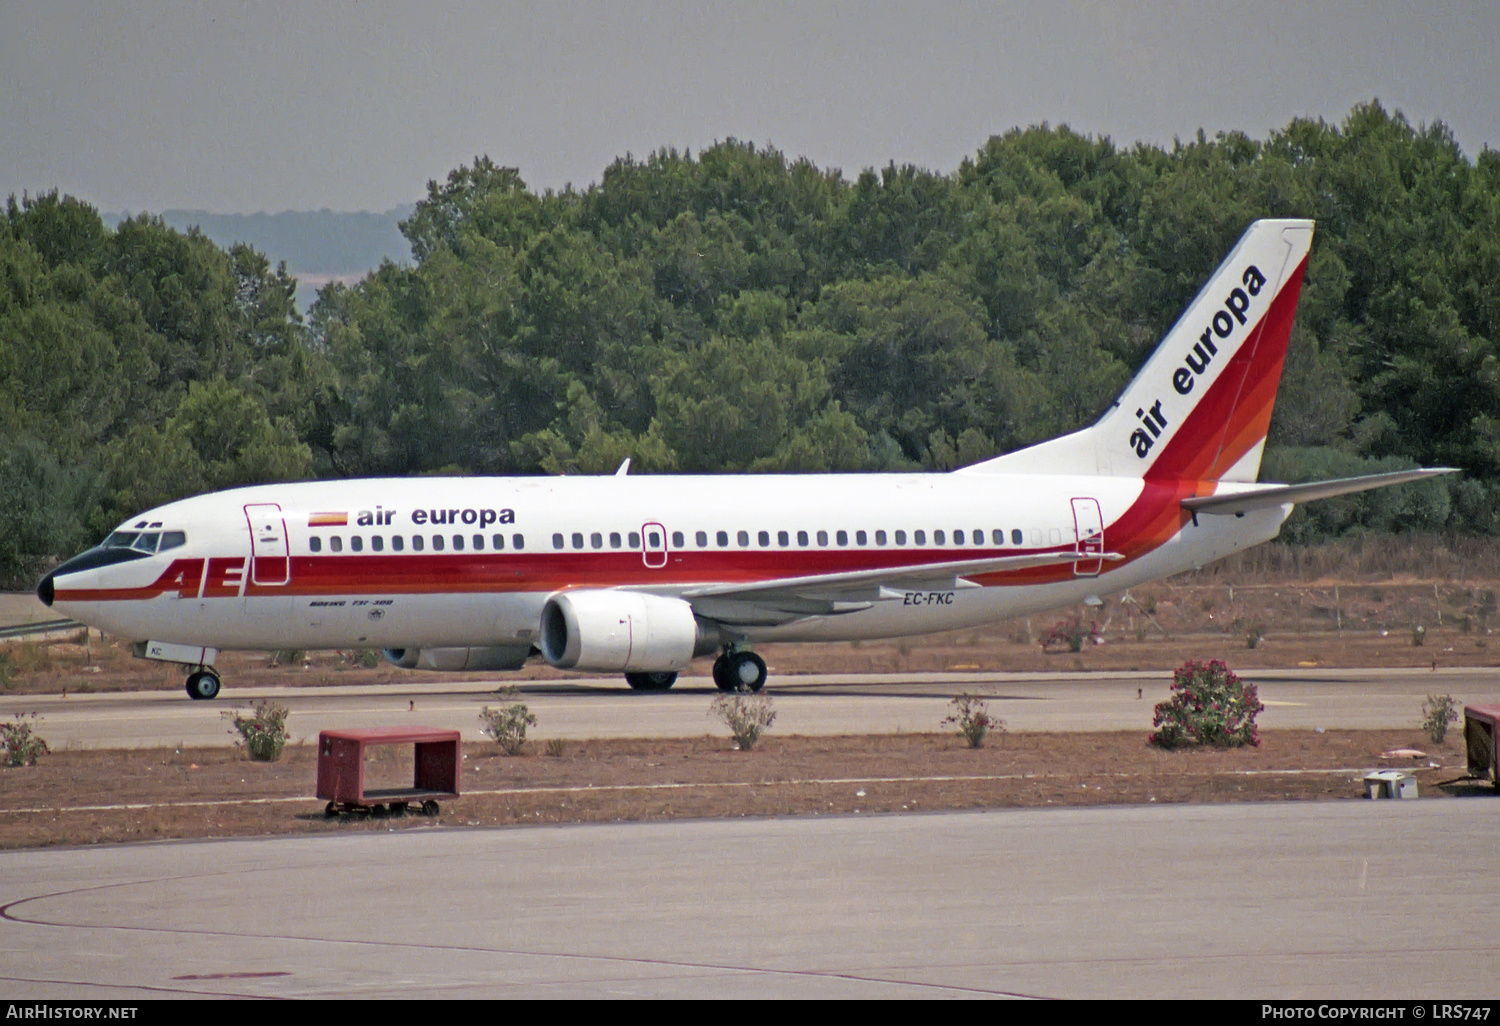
column 328, row 520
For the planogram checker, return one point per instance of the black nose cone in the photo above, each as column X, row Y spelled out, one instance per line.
column 44, row 590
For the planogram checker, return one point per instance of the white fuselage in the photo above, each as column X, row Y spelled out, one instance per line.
column 432, row 562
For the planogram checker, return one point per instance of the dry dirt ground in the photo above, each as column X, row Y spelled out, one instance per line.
column 1413, row 603
column 82, row 797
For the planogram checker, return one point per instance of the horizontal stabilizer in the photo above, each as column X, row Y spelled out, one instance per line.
column 1245, row 499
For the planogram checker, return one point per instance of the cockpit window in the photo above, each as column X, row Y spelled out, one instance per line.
column 145, row 541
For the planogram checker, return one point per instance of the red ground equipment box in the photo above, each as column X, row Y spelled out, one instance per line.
column 1481, row 732
column 341, row 769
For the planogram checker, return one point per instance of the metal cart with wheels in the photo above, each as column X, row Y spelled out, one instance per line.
column 341, row 770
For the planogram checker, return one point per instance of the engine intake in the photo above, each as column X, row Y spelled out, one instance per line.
column 610, row 631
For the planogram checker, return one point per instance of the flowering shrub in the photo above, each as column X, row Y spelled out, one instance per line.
column 1210, row 705
column 1069, row 634
column 262, row 733
column 19, row 745
column 972, row 718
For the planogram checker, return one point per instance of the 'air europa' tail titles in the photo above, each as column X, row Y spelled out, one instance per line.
column 1201, row 404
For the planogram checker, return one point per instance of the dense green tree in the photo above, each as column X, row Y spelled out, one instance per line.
column 43, row 503
column 911, row 356
column 737, row 310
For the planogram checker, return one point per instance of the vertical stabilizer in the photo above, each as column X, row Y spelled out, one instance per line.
column 1200, row 407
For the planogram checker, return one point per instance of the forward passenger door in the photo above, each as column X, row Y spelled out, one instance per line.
column 270, row 554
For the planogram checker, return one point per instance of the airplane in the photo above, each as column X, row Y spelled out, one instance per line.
column 639, row 574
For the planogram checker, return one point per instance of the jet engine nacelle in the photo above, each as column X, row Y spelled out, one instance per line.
column 610, row 631
column 453, row 660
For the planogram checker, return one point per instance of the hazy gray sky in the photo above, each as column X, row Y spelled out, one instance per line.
column 239, row 107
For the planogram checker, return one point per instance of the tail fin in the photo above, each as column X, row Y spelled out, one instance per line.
column 1200, row 407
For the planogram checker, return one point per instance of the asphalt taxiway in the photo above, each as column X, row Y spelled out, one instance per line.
column 1345, row 900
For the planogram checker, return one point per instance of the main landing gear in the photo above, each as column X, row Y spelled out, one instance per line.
column 202, row 684
column 660, row 681
column 737, row 669
column 734, row 670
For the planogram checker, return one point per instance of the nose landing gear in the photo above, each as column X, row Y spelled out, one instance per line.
column 737, row 669
column 202, row 684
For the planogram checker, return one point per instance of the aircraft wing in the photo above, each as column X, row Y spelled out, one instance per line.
column 785, row 599
column 1246, row 498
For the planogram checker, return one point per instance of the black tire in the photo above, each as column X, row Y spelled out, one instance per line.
column 331, row 811
column 745, row 670
column 429, row 808
column 657, row 681
column 398, row 808
column 378, row 812
column 203, row 685
column 722, row 680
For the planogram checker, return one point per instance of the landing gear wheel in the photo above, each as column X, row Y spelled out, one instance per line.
column 721, row 673
column 651, row 681
column 202, row 685
column 330, row 811
column 429, row 808
column 743, row 670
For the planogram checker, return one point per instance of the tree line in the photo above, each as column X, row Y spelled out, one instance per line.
column 738, row 310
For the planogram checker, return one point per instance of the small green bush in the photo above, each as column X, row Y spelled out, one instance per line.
column 972, row 718
column 1210, row 705
column 262, row 733
column 507, row 726
column 19, row 743
column 557, row 747
column 746, row 714
column 1069, row 634
column 1437, row 712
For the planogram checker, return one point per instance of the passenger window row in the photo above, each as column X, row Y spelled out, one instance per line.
column 596, row 540
column 804, row 539
column 440, row 542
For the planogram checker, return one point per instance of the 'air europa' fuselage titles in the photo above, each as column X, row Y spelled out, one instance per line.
column 380, row 517
column 1231, row 314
